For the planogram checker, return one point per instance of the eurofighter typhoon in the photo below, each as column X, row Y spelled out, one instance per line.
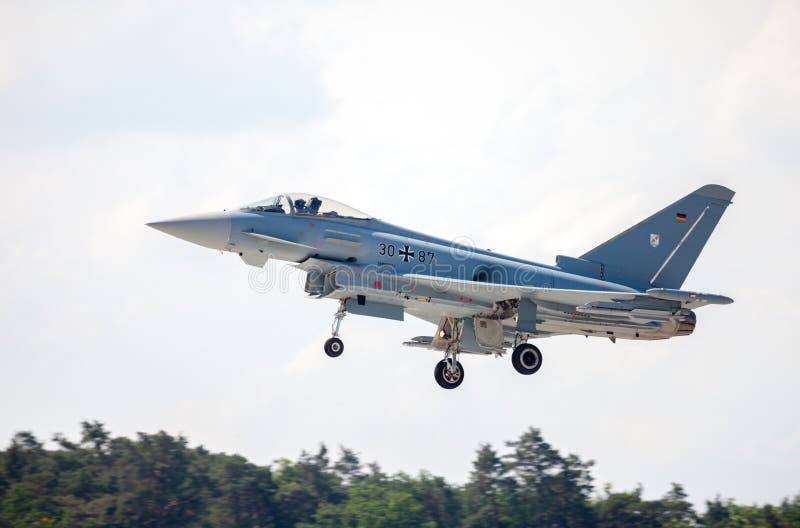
column 481, row 302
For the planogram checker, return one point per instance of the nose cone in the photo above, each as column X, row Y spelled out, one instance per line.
column 211, row 230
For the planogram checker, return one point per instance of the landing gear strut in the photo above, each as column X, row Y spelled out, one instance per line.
column 448, row 372
column 334, row 346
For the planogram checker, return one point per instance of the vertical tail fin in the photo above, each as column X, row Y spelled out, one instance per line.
column 661, row 250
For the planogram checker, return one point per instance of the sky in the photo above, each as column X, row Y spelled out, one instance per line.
column 531, row 128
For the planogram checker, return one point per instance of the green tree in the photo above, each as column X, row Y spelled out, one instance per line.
column 348, row 467
column 630, row 509
column 157, row 480
column 243, row 494
column 790, row 511
column 550, row 490
column 305, row 486
column 158, row 486
column 375, row 502
column 677, row 512
column 29, row 477
column 717, row 514
column 94, row 434
column 441, row 502
column 627, row 509
column 487, row 492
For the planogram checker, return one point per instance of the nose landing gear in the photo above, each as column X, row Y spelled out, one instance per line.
column 333, row 345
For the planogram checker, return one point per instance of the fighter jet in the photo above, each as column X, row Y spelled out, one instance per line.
column 481, row 302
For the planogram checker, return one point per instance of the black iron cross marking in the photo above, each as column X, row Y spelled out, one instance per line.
column 406, row 254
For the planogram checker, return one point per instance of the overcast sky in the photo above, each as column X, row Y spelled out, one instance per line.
column 535, row 129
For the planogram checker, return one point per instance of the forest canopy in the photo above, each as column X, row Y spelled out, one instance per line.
column 157, row 480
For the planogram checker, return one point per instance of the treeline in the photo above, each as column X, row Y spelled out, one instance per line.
column 156, row 480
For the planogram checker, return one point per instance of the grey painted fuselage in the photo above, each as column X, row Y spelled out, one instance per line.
column 627, row 288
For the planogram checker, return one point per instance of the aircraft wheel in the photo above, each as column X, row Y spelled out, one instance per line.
column 446, row 378
column 526, row 359
column 334, row 347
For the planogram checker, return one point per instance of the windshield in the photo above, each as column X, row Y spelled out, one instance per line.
column 306, row 205
column 274, row 204
column 310, row 204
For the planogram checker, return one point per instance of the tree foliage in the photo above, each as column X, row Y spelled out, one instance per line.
column 157, row 480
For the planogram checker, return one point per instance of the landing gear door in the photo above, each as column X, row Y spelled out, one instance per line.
column 488, row 332
column 526, row 316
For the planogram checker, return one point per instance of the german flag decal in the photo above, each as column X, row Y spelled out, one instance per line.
column 681, row 217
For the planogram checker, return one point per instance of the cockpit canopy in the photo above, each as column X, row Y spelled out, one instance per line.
column 306, row 205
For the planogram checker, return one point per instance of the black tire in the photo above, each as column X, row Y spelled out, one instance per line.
column 526, row 358
column 444, row 378
column 334, row 347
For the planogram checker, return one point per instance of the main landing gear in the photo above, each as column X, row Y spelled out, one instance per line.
column 448, row 372
column 526, row 358
column 334, row 346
